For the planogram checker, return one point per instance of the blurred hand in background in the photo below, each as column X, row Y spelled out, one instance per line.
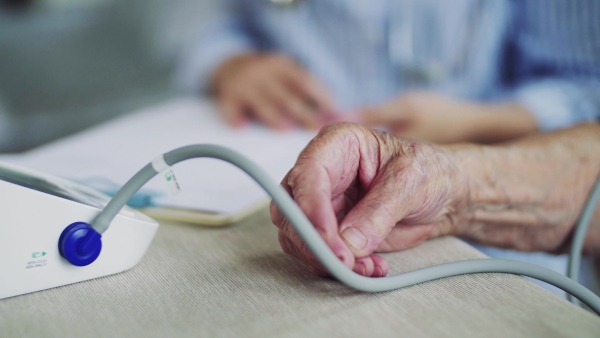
column 485, row 71
column 271, row 88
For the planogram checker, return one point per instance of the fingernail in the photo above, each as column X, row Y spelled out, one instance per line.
column 355, row 237
column 360, row 268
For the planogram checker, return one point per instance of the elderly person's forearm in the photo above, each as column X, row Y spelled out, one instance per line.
column 528, row 194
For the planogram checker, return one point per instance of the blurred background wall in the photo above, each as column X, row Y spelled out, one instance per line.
column 66, row 65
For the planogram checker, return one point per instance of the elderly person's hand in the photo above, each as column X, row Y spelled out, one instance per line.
column 271, row 88
column 367, row 191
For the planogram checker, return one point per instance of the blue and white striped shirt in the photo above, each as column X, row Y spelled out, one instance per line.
column 543, row 54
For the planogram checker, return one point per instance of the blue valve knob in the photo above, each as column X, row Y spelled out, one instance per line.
column 80, row 244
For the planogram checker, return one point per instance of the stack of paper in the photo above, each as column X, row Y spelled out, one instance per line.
column 118, row 149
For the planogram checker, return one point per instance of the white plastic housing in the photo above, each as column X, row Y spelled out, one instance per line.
column 31, row 223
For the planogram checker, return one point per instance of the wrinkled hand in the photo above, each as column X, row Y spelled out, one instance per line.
column 271, row 88
column 365, row 192
column 436, row 118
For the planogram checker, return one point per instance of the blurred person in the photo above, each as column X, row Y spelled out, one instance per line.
column 445, row 71
column 366, row 191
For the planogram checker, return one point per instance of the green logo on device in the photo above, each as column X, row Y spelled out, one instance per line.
column 38, row 254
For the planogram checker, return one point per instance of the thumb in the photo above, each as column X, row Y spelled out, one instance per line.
column 371, row 220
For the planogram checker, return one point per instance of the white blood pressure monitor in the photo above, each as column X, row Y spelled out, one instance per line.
column 35, row 209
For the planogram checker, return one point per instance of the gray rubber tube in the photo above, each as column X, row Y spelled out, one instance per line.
column 316, row 244
column 585, row 218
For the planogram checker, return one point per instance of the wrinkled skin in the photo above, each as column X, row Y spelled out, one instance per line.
column 366, row 192
column 391, row 194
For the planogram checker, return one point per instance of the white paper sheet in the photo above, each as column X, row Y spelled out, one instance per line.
column 118, row 149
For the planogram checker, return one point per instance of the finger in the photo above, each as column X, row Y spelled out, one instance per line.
column 298, row 249
column 294, row 106
column 313, row 91
column 232, row 111
column 277, row 216
column 265, row 110
column 381, row 267
column 285, row 227
column 300, row 246
column 289, row 248
column 374, row 216
column 326, row 169
column 311, row 186
column 371, row 266
column 364, row 266
column 404, row 237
